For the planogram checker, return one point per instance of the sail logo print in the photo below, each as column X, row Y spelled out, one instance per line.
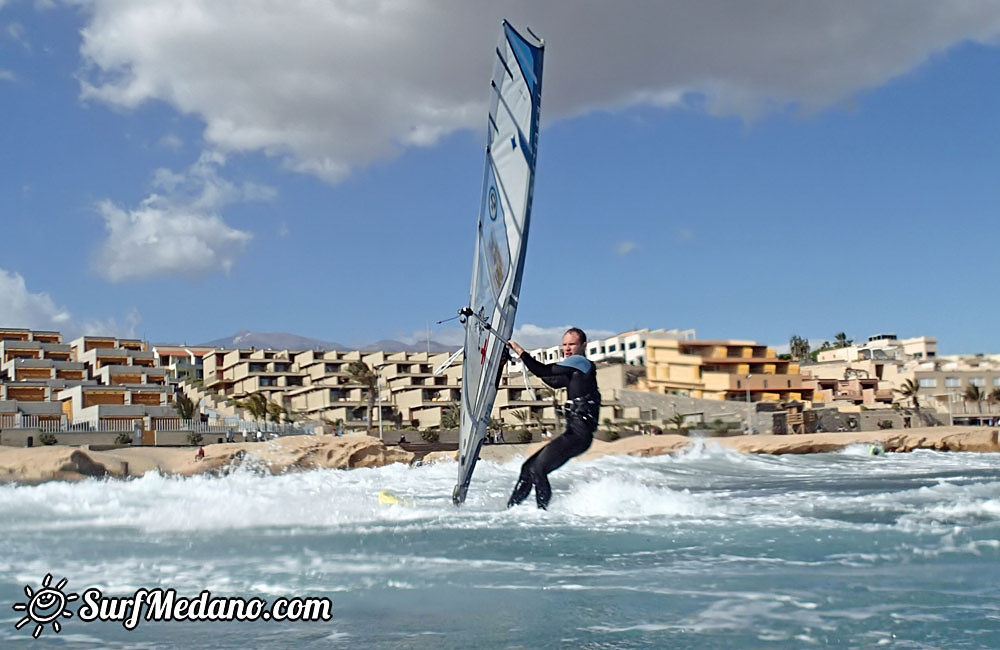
column 48, row 604
column 45, row 606
column 493, row 204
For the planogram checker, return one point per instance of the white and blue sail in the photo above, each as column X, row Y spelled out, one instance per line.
column 502, row 234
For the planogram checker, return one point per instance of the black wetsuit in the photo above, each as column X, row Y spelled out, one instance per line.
column 579, row 377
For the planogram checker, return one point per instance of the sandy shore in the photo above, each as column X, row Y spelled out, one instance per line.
column 296, row 453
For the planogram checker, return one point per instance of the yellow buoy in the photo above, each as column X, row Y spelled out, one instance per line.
column 388, row 498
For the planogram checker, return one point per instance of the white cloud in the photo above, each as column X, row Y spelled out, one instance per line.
column 178, row 232
column 111, row 326
column 6, row 75
column 534, row 336
column 22, row 308
column 171, row 142
column 625, row 247
column 528, row 335
column 328, row 87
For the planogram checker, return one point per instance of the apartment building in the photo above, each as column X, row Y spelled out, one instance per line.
column 237, row 374
column 182, row 361
column 93, row 379
column 11, row 349
column 328, row 391
column 722, row 370
column 888, row 362
column 945, row 384
column 880, row 357
column 21, row 334
column 97, row 404
column 627, row 347
column 18, row 369
column 856, row 391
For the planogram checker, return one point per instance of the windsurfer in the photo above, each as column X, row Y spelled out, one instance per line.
column 578, row 376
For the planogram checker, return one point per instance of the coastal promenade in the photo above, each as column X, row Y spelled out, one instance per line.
column 302, row 453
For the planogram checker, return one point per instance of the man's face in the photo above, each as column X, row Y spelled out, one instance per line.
column 571, row 344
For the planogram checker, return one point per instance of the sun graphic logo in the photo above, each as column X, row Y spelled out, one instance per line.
column 46, row 605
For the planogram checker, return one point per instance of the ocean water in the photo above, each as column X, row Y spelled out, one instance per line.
column 707, row 549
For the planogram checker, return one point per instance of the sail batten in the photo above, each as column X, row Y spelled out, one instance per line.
column 501, row 237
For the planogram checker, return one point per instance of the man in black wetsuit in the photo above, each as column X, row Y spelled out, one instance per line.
column 578, row 376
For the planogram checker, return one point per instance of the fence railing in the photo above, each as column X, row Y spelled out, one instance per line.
column 57, row 425
column 20, row 421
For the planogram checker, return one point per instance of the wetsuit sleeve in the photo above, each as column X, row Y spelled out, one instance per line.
column 554, row 375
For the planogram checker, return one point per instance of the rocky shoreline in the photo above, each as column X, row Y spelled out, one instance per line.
column 302, row 453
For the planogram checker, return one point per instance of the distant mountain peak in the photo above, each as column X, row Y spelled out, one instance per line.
column 272, row 341
column 285, row 341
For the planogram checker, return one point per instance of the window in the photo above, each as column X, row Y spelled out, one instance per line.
column 996, row 381
column 977, row 381
column 631, row 346
column 613, row 347
column 952, row 382
column 927, row 382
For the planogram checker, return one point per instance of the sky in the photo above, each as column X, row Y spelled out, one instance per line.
column 181, row 170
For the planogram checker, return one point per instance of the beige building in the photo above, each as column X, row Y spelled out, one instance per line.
column 181, row 361
column 91, row 381
column 947, row 382
column 628, row 347
column 722, row 370
column 856, row 391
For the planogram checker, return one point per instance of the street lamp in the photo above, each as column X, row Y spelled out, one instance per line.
column 749, row 412
column 378, row 393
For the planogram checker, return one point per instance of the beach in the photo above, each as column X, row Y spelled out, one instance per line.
column 298, row 453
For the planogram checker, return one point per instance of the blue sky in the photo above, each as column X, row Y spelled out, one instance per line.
column 179, row 171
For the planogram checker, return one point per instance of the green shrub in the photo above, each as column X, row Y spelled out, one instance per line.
column 194, row 438
column 123, row 438
column 430, row 436
column 524, row 436
column 612, row 435
column 48, row 439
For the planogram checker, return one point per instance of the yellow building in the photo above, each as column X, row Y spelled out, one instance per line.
column 722, row 370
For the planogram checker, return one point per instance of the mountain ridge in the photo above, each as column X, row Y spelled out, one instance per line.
column 287, row 341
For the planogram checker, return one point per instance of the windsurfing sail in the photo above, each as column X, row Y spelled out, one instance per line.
column 501, row 237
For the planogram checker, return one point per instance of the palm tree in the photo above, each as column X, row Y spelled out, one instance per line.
column 523, row 416
column 450, row 417
column 256, row 405
column 276, row 411
column 841, row 340
column 798, row 347
column 546, row 392
column 974, row 394
column 678, row 421
column 909, row 390
column 186, row 408
column 361, row 373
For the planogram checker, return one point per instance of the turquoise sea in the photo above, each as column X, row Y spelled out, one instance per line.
column 707, row 549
